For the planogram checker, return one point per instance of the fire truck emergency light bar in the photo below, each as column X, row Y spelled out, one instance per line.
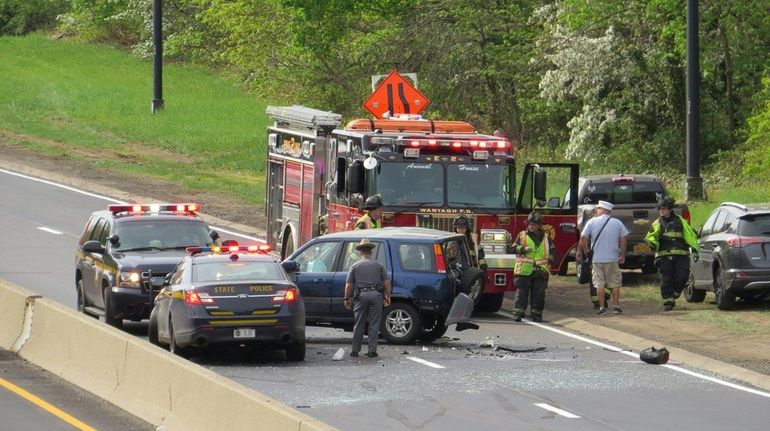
column 153, row 208
column 264, row 249
column 298, row 115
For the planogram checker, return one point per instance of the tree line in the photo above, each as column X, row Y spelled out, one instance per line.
column 598, row 82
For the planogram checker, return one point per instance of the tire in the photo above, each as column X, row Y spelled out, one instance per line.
column 472, row 283
column 109, row 312
column 295, row 352
column 174, row 348
column 434, row 331
column 490, row 302
column 725, row 300
column 152, row 328
column 401, row 323
column 82, row 302
column 691, row 294
column 288, row 246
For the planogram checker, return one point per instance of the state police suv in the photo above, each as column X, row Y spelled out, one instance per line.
column 125, row 252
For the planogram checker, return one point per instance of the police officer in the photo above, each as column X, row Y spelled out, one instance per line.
column 371, row 218
column 672, row 238
column 534, row 250
column 462, row 225
column 367, row 290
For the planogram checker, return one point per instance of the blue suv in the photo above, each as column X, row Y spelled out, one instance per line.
column 427, row 267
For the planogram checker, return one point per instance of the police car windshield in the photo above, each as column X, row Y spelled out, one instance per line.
column 237, row 271
column 149, row 234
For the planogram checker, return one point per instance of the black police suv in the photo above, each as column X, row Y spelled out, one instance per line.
column 125, row 252
column 237, row 295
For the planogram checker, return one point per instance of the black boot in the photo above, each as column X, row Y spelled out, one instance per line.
column 537, row 317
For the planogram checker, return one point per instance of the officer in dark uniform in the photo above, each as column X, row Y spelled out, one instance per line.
column 672, row 238
column 534, row 252
column 367, row 290
column 462, row 225
column 371, row 218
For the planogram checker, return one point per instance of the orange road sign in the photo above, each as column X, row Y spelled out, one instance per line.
column 395, row 95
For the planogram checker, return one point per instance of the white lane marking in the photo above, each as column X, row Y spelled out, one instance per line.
column 49, row 230
column 116, row 201
column 424, row 362
column 636, row 355
column 83, row 192
column 558, row 411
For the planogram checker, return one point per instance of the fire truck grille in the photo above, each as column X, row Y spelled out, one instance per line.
column 441, row 222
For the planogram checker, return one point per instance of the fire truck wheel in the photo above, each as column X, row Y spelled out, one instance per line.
column 288, row 246
column 401, row 323
column 472, row 283
column 433, row 331
column 490, row 302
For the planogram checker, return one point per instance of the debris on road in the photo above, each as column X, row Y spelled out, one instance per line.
column 339, row 355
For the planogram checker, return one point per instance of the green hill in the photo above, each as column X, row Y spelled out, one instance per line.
column 74, row 100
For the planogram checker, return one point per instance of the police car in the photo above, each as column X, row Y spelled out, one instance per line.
column 238, row 295
column 125, row 252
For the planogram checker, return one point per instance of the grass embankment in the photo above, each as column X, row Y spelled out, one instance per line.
column 66, row 99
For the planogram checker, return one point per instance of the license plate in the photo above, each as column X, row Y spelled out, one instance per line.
column 642, row 248
column 244, row 333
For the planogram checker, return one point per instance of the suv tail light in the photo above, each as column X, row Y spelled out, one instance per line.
column 439, row 253
column 740, row 241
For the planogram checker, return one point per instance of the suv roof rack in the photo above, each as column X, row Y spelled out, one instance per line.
column 737, row 205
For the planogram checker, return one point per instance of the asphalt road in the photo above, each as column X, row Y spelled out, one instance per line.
column 547, row 379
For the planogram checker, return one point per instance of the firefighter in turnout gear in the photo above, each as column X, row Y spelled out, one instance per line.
column 672, row 238
column 534, row 252
column 370, row 219
column 462, row 225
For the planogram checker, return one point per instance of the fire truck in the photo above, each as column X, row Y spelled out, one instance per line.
column 426, row 172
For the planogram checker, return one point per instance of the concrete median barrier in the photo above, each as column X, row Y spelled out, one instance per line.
column 13, row 300
column 142, row 379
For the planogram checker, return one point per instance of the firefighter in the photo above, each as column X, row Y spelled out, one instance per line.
column 462, row 225
column 371, row 218
column 535, row 251
column 673, row 239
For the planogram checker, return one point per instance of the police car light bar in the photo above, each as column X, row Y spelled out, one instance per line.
column 262, row 249
column 153, row 208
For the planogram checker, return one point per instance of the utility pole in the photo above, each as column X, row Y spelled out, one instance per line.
column 157, row 59
column 693, row 187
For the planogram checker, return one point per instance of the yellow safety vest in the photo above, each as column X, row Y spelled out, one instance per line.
column 366, row 222
column 525, row 264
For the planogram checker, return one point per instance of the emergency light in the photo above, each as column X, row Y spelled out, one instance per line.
column 153, row 208
column 261, row 249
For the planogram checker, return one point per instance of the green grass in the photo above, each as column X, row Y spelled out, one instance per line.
column 68, row 99
column 755, row 192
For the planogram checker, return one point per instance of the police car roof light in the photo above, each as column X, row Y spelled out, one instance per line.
column 153, row 208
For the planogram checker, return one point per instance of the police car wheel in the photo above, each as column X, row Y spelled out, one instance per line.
column 81, row 297
column 295, row 352
column 109, row 312
column 152, row 328
column 401, row 323
column 172, row 346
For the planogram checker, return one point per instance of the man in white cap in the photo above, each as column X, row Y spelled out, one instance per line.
column 608, row 236
column 367, row 290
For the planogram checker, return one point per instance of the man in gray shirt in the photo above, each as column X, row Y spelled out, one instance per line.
column 367, row 290
column 608, row 236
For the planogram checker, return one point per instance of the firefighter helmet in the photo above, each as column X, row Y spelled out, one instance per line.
column 462, row 221
column 666, row 202
column 372, row 203
column 534, row 218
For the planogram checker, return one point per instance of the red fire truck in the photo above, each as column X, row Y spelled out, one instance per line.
column 426, row 173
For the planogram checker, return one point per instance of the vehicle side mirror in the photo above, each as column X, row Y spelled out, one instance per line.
column 93, row 246
column 290, row 266
column 356, row 177
column 167, row 279
column 214, row 235
column 114, row 240
column 540, row 184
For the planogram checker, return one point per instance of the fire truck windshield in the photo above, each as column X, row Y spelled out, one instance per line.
column 423, row 184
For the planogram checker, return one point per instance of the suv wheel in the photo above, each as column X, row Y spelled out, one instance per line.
column 472, row 284
column 435, row 331
column 401, row 323
column 82, row 303
column 109, row 312
column 725, row 300
column 691, row 294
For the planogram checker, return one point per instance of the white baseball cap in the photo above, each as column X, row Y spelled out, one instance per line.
column 606, row 205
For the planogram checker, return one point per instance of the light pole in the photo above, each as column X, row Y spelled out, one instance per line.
column 693, row 187
column 157, row 59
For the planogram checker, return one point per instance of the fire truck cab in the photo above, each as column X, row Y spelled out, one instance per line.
column 426, row 172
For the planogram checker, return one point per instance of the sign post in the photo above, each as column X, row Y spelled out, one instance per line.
column 395, row 95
